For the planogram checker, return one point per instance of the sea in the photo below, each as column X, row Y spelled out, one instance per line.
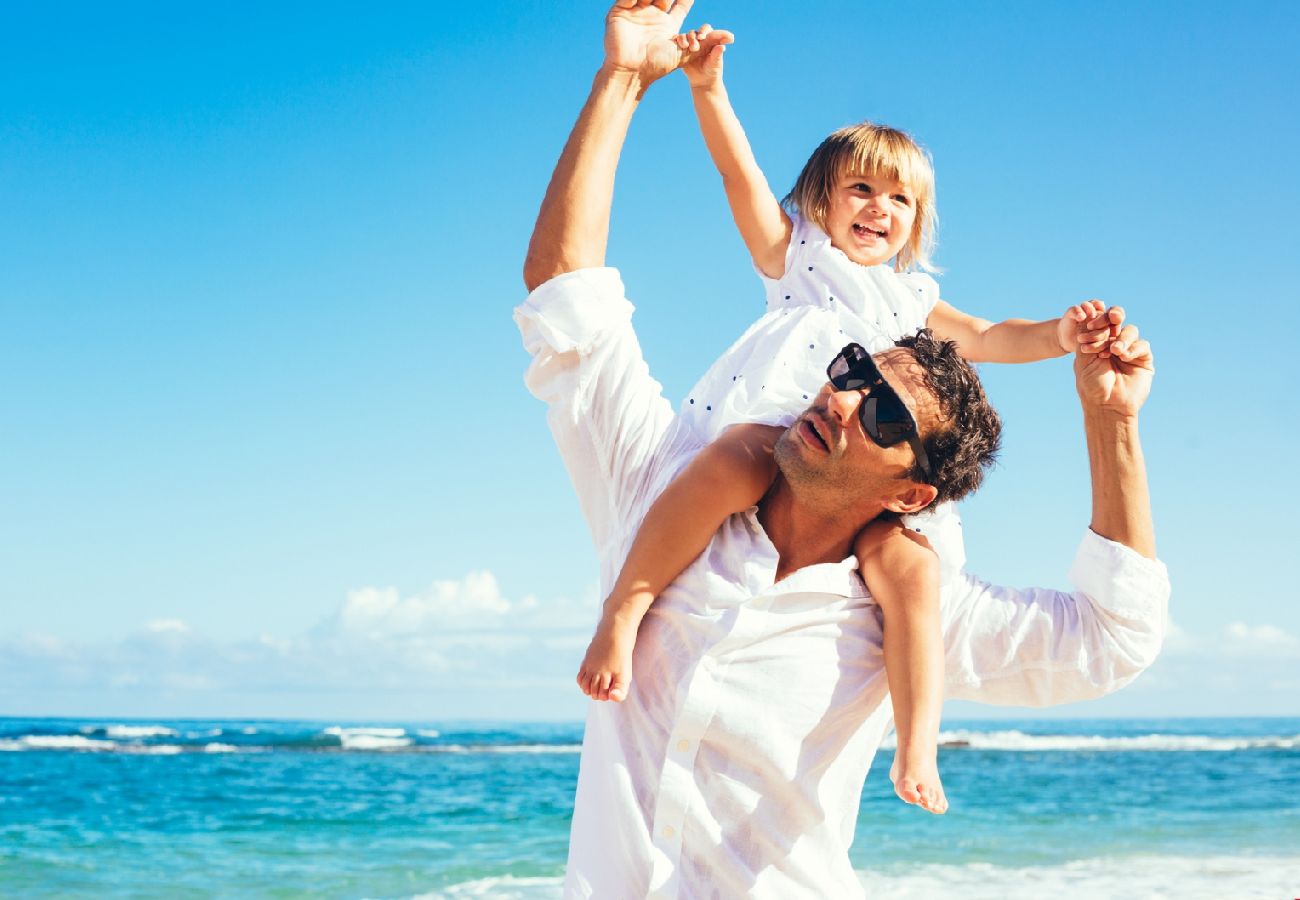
column 1168, row 808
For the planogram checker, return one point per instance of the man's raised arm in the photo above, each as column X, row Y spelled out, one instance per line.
column 573, row 224
column 1037, row 646
column 1112, row 388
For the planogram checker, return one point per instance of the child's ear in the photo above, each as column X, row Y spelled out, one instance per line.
column 914, row 499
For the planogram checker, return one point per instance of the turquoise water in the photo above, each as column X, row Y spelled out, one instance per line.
column 398, row 809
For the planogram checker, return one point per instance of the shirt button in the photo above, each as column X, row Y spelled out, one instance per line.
column 683, row 746
column 668, row 831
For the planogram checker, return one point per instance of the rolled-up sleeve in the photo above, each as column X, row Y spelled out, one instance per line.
column 608, row 416
column 1035, row 647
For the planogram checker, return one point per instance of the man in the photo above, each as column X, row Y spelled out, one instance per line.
column 735, row 766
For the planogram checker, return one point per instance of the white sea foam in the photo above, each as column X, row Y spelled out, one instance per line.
column 151, row 749
column 504, row 748
column 369, row 732
column 429, row 733
column 506, row 887
column 1153, row 877
column 56, row 742
column 1014, row 741
column 129, row 732
column 216, row 747
column 370, row 738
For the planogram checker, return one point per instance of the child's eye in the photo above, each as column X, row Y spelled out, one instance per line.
column 903, row 199
column 861, row 186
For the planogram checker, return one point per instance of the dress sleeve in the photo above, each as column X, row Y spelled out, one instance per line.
column 607, row 414
column 925, row 288
column 778, row 296
column 1036, row 647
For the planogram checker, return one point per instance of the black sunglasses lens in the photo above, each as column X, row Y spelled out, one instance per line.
column 852, row 369
column 885, row 419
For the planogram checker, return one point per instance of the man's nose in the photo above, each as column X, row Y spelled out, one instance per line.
column 843, row 405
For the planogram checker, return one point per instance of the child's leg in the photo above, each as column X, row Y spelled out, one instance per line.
column 728, row 476
column 902, row 573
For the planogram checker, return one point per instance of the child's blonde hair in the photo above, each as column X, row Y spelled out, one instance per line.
column 870, row 149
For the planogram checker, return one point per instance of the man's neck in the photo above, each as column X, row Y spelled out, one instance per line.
column 807, row 534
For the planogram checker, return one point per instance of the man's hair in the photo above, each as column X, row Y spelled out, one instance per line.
column 872, row 150
column 966, row 442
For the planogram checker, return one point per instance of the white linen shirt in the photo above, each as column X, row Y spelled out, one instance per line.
column 736, row 764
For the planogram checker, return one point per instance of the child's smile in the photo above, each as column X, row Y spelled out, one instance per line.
column 870, row 218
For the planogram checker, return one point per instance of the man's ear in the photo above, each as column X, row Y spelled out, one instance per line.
column 916, row 498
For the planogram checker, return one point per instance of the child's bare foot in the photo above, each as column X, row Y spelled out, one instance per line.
column 916, row 780
column 606, row 671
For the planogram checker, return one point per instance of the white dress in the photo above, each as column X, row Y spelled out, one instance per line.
column 823, row 301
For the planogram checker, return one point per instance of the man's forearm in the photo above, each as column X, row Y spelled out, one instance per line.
column 573, row 225
column 1121, row 502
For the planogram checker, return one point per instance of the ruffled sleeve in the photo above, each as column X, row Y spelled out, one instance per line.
column 925, row 288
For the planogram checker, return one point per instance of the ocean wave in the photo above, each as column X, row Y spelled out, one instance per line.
column 504, row 748
column 130, row 732
column 56, row 742
column 349, row 740
column 505, row 887
column 151, row 749
column 1117, row 878
column 367, row 738
column 1019, row 741
column 340, row 731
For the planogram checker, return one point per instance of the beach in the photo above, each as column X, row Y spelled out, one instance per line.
column 1184, row 808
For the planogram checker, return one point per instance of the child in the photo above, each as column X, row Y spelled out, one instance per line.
column 866, row 197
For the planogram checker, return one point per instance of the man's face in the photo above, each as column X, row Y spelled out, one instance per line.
column 828, row 457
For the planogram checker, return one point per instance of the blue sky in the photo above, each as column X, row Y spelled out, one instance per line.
column 266, row 448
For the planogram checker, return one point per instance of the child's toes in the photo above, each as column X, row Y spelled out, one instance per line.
column 906, row 790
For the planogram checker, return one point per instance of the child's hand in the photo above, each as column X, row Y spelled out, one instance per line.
column 1085, row 328
column 702, row 51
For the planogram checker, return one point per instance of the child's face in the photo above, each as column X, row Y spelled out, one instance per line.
column 870, row 218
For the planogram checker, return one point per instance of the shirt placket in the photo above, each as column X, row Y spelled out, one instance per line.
column 677, row 779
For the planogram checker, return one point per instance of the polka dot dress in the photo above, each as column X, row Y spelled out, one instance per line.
column 824, row 301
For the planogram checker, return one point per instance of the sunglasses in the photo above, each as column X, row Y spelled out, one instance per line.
column 884, row 417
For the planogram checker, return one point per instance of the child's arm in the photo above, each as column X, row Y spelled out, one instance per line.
column 1084, row 327
column 902, row 573
column 763, row 225
column 727, row 476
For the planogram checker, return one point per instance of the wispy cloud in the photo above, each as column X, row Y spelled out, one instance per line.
column 457, row 635
column 461, row 647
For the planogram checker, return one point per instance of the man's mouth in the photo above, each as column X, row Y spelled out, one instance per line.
column 864, row 231
column 812, row 434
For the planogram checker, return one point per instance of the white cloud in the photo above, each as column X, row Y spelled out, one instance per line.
column 1268, row 635
column 455, row 636
column 461, row 647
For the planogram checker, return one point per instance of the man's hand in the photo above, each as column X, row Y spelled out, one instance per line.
column 1118, row 378
column 702, row 51
column 640, row 38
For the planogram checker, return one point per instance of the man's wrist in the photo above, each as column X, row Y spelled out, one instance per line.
column 1110, row 420
column 623, row 81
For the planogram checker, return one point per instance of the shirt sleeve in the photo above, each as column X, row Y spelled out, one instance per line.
column 1038, row 647
column 608, row 416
